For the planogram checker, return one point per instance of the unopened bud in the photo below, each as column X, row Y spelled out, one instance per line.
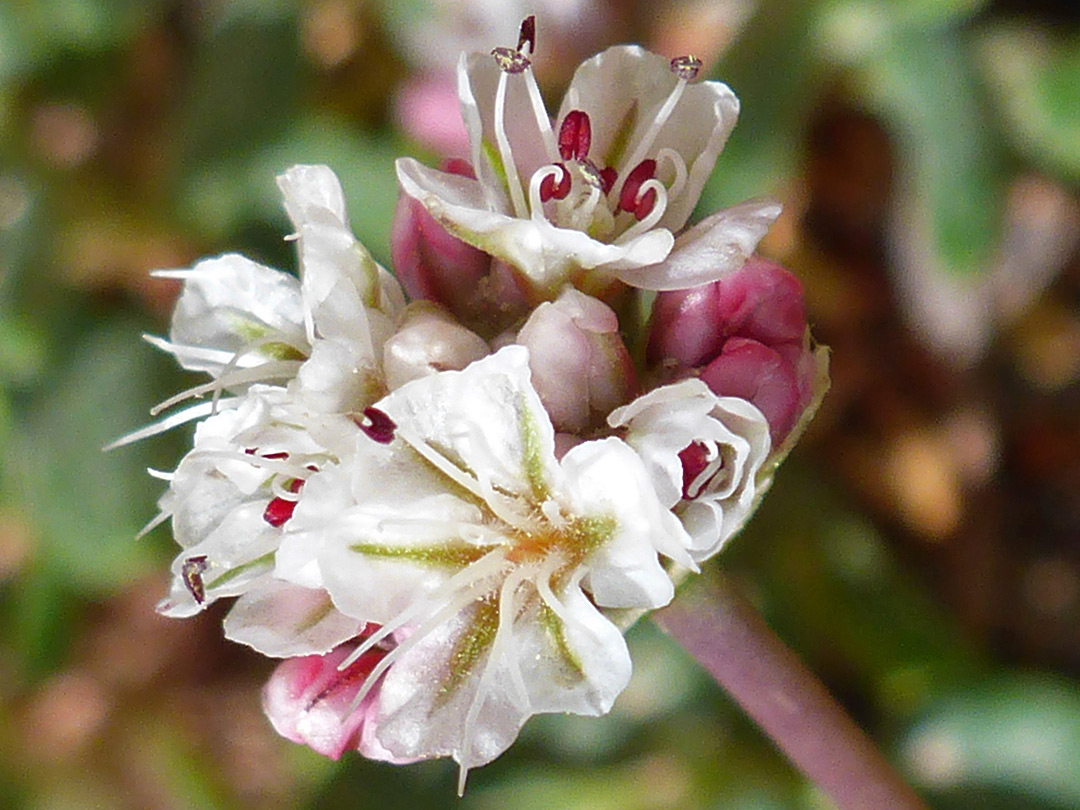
column 429, row 340
column 580, row 366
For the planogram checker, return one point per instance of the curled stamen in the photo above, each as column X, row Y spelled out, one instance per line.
column 646, row 142
column 511, row 61
column 679, row 165
column 630, row 196
column 551, row 190
column 686, row 67
column 544, row 178
column 651, row 204
column 575, row 135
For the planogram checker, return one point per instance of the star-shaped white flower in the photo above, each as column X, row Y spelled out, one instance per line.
column 606, row 193
column 243, row 323
column 703, row 453
column 491, row 559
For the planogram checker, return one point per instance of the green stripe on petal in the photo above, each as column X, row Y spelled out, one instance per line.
column 456, row 554
column 532, row 455
column 232, row 573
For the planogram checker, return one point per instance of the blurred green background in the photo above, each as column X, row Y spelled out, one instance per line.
column 921, row 550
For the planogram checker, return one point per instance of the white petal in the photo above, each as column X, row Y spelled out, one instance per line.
column 623, row 88
column 230, row 302
column 312, row 194
column 608, row 478
column 282, row 620
column 715, row 247
column 483, row 419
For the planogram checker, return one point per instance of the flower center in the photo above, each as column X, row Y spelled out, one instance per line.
column 614, row 204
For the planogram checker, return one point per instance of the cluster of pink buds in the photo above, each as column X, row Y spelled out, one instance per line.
column 440, row 511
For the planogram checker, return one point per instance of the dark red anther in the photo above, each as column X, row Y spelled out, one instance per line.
column 377, row 425
column 608, row 176
column 550, row 190
column 527, row 35
column 575, row 135
column 694, row 459
column 645, row 204
column 191, row 572
column 279, row 510
column 628, row 198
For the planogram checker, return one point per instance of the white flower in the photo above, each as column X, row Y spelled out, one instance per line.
column 609, row 190
column 493, row 559
column 242, row 322
column 228, row 500
column 703, row 453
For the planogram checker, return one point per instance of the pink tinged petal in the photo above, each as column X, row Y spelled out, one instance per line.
column 750, row 370
column 580, row 366
column 282, row 620
column 307, row 699
column 714, row 248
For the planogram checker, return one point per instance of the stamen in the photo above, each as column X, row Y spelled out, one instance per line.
column 463, row 580
column 653, row 201
column 169, row 422
column 575, row 135
column 513, row 180
column 527, row 35
column 646, row 142
column 548, row 188
column 191, row 572
column 631, row 190
column 503, row 631
column 608, row 176
column 677, row 163
column 686, row 67
column 281, row 369
column 377, row 425
column 510, row 60
column 279, row 511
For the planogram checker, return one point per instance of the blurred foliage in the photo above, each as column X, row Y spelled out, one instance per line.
column 137, row 134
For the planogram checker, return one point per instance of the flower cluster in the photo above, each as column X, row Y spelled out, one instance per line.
column 442, row 514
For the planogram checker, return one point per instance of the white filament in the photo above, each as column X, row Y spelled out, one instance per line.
column 646, row 142
column 513, row 181
column 678, row 164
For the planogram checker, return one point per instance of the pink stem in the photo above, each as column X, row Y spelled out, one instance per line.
column 728, row 637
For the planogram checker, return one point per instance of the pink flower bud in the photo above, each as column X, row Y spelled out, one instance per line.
column 746, row 335
column 428, row 340
column 580, row 366
column 485, row 295
column 307, row 699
